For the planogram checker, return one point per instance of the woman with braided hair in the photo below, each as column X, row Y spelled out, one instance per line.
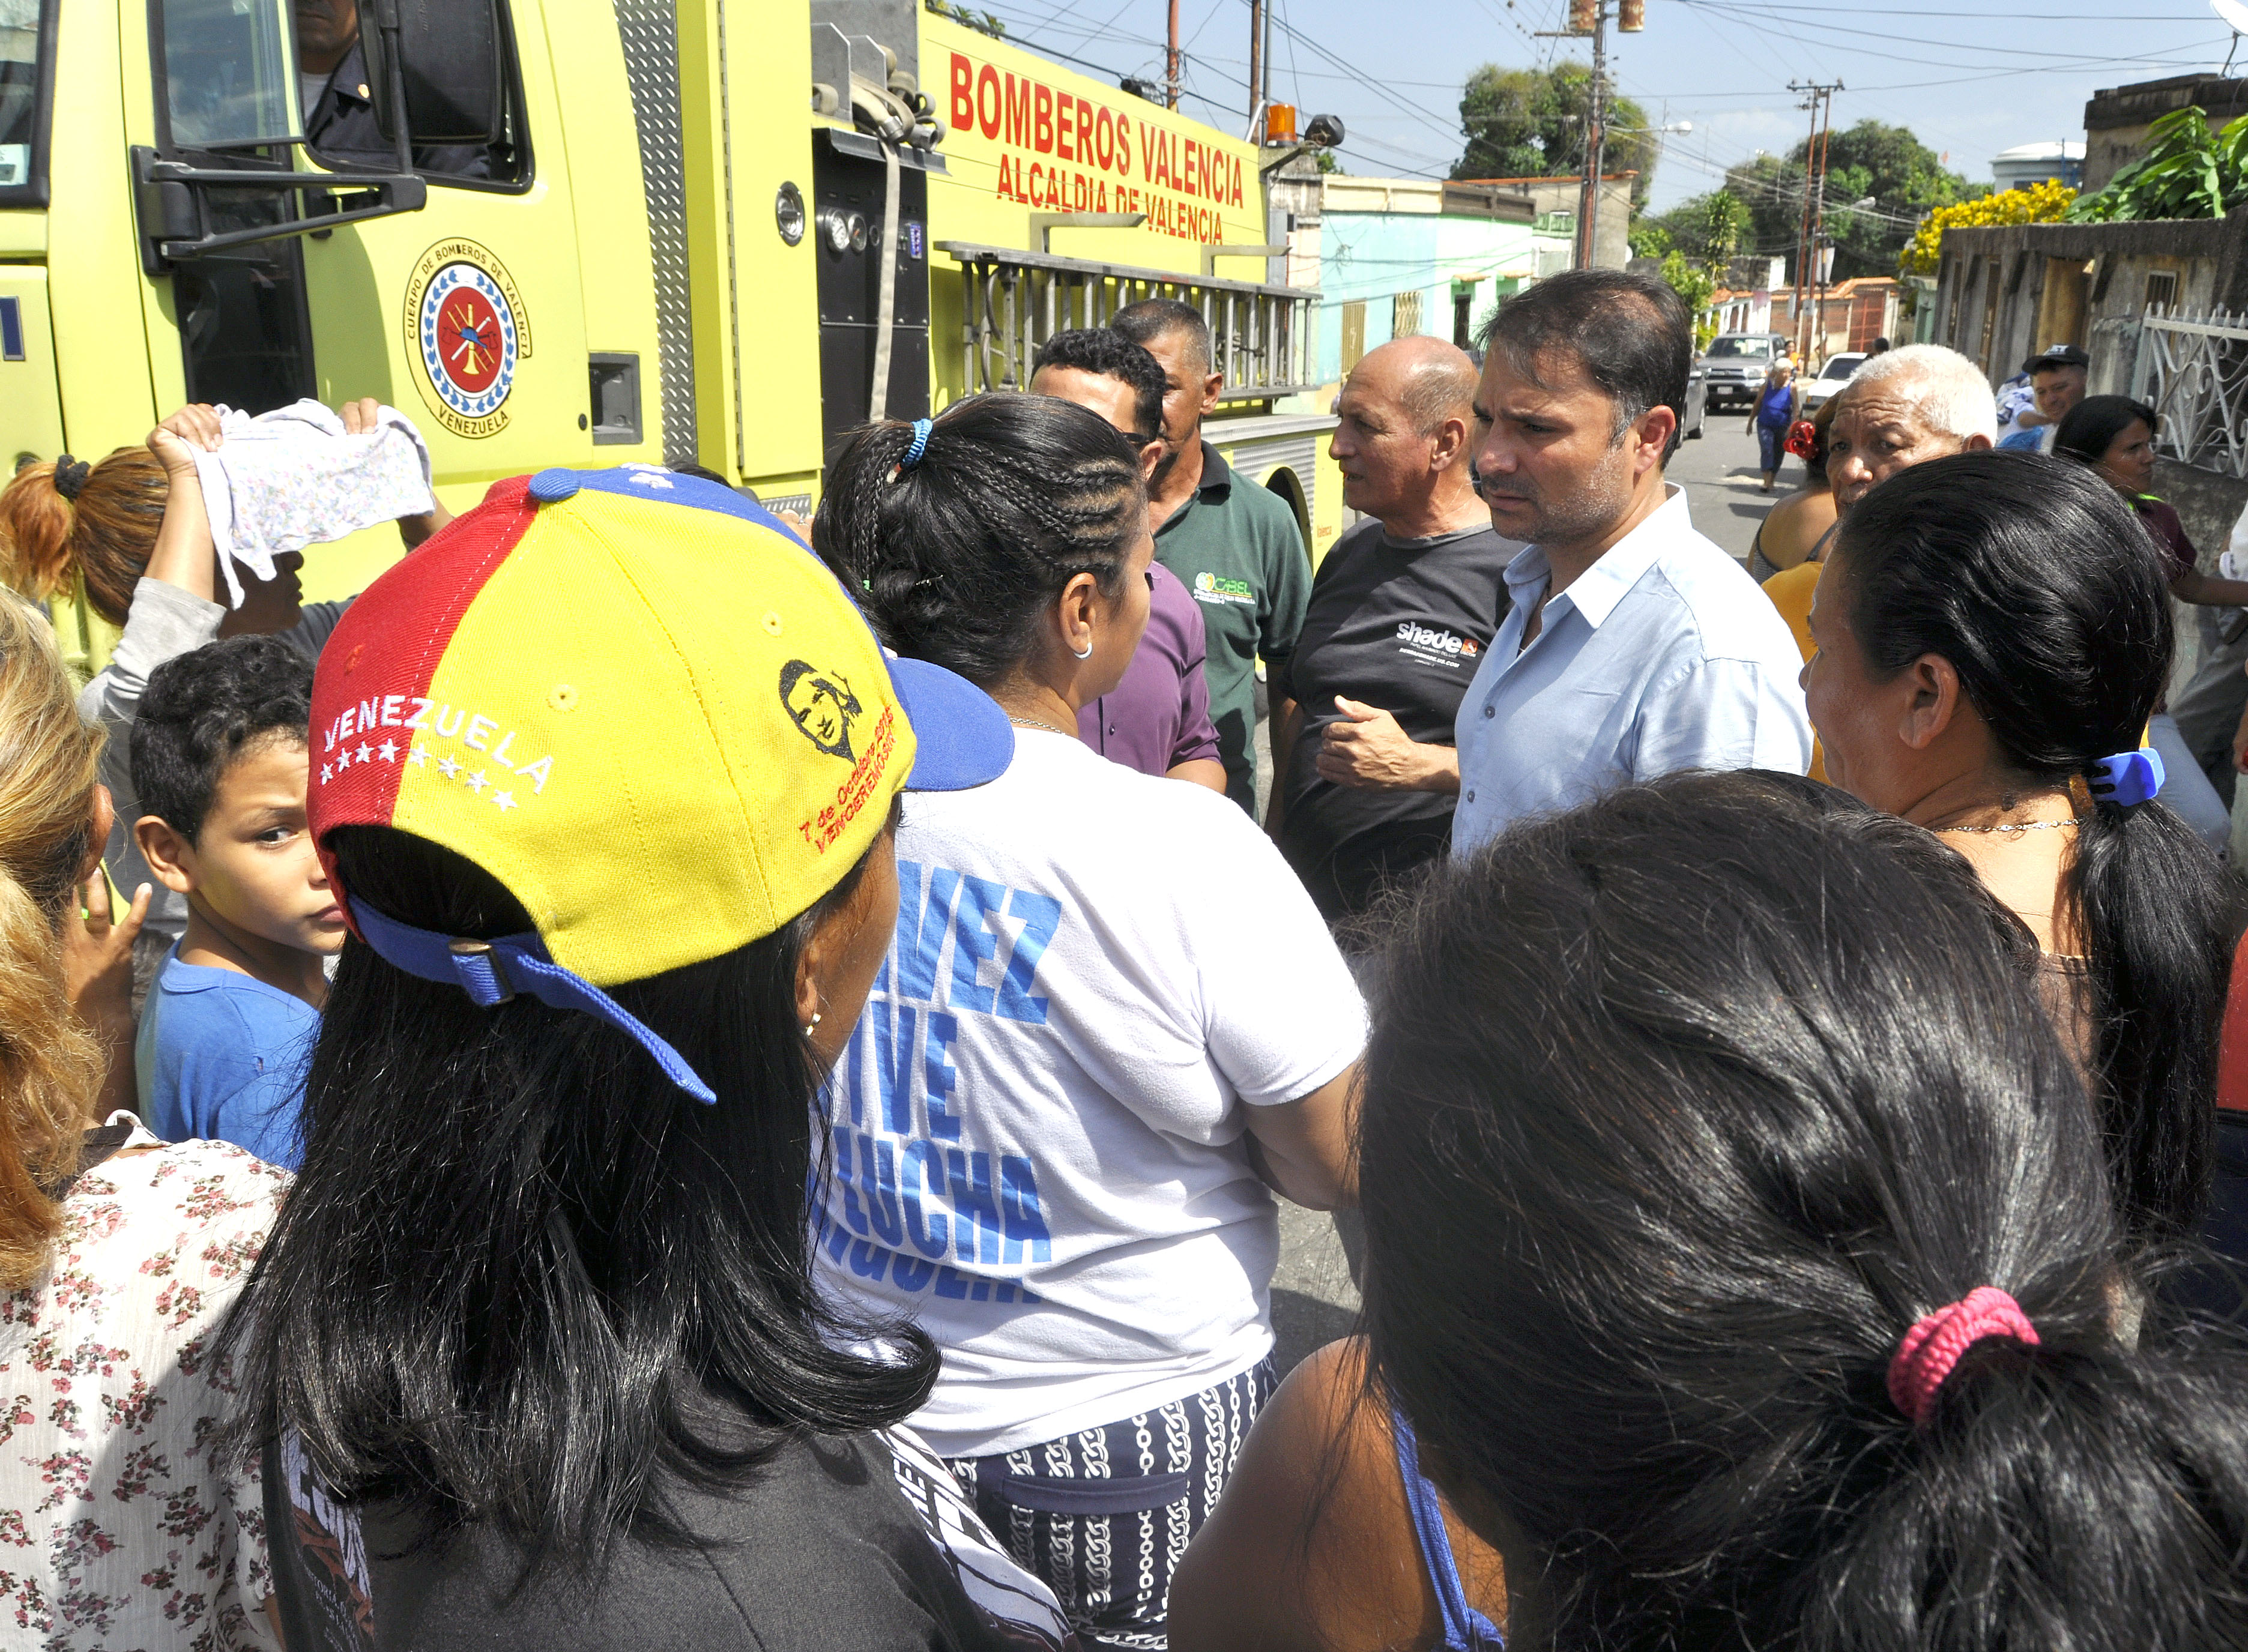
column 1110, row 1026
column 1993, row 634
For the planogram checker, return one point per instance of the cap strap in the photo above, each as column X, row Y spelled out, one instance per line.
column 491, row 972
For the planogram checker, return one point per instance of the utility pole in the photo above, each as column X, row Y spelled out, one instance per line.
column 1596, row 143
column 1256, row 62
column 1818, row 98
column 1171, row 62
column 1591, row 17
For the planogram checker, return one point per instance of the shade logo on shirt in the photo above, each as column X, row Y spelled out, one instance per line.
column 466, row 323
column 1216, row 588
column 821, row 705
column 1435, row 643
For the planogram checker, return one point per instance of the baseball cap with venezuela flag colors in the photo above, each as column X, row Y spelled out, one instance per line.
column 639, row 702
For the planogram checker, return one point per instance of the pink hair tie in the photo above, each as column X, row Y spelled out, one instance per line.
column 1925, row 1359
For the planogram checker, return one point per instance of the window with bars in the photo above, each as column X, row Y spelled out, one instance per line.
column 1405, row 316
column 2161, row 286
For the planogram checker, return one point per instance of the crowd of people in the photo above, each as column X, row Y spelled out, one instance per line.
column 516, row 1129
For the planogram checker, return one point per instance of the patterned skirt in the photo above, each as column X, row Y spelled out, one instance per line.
column 1103, row 1516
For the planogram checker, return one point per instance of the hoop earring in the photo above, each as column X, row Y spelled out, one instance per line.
column 1084, row 653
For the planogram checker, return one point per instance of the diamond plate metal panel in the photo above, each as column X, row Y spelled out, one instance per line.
column 650, row 32
column 1298, row 453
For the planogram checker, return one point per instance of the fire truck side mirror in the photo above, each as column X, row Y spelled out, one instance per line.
column 451, row 63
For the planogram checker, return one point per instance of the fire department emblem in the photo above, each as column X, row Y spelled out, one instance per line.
column 466, row 324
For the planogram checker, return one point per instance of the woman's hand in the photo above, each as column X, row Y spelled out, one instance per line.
column 359, row 418
column 194, row 428
column 97, row 977
column 97, row 950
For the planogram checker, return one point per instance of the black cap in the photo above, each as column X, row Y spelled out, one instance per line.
column 2058, row 355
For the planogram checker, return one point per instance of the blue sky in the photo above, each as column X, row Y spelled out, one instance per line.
column 1968, row 83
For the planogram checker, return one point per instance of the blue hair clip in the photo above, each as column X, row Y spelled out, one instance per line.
column 922, row 427
column 2127, row 777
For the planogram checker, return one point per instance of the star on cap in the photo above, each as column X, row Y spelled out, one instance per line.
column 448, row 767
column 364, row 755
column 343, row 758
column 324, row 774
column 476, row 783
column 505, row 799
column 419, row 757
column 389, row 751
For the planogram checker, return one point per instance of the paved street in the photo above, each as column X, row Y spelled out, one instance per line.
column 1719, row 474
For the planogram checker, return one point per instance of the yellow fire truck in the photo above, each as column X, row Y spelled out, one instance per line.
column 672, row 249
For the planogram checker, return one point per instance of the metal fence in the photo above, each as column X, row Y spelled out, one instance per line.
column 2193, row 370
column 1012, row 302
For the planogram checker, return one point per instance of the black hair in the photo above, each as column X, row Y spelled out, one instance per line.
column 1661, row 1154
column 955, row 559
column 2037, row 582
column 2090, row 427
column 1154, row 319
column 205, row 708
column 1106, row 353
column 1631, row 334
column 522, row 1277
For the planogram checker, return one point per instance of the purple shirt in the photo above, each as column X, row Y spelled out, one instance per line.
column 1158, row 717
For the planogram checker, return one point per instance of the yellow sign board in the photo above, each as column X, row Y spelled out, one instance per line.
column 1026, row 135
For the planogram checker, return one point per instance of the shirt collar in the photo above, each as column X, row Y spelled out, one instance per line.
column 349, row 82
column 1595, row 592
column 1217, row 477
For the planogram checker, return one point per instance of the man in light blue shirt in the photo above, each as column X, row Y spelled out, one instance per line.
column 1636, row 647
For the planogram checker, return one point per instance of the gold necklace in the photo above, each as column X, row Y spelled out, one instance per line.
column 2026, row 825
column 1033, row 722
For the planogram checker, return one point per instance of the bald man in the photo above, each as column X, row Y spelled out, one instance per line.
column 1401, row 613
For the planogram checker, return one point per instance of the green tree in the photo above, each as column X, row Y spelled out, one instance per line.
column 1530, row 123
column 1904, row 177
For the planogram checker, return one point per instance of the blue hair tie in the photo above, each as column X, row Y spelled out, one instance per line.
column 2127, row 777
column 922, row 427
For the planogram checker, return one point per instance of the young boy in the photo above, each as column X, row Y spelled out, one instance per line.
column 219, row 761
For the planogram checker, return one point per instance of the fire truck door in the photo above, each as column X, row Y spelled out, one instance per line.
column 468, row 315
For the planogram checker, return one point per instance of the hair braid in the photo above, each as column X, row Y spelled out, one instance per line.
column 955, row 559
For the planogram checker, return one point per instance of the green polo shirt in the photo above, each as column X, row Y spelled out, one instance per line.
column 1236, row 546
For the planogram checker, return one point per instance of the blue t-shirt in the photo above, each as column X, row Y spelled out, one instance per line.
column 222, row 1057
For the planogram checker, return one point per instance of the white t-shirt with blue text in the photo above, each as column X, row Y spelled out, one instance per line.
column 1037, row 1128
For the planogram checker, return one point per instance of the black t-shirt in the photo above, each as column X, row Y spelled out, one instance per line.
column 1400, row 625
column 821, row 1554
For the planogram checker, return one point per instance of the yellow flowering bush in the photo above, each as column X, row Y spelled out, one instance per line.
column 2046, row 202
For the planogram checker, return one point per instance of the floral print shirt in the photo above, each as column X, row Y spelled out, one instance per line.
column 115, row 1529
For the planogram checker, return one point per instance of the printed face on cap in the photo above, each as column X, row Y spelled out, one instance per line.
column 824, row 707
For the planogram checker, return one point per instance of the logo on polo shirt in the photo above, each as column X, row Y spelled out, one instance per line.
column 1435, row 644
column 1214, row 588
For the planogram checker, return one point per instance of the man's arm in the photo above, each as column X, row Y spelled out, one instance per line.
column 1194, row 753
column 1302, row 1148
column 1202, row 772
column 1722, row 714
column 1286, row 730
column 1366, row 748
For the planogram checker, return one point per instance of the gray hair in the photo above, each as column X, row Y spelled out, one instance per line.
column 1950, row 391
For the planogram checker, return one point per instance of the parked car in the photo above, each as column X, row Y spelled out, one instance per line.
column 1734, row 365
column 1698, row 402
column 1832, row 378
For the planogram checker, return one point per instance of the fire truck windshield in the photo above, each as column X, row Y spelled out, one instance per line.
column 20, row 75
column 226, row 73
